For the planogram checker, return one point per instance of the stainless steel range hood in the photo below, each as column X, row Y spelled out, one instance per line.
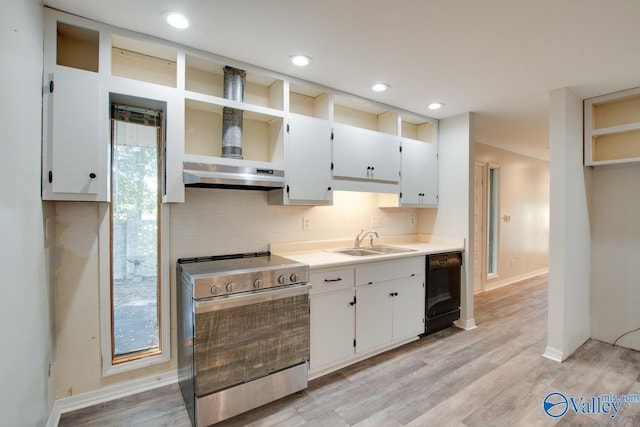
column 245, row 177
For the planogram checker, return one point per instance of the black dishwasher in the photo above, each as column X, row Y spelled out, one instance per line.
column 442, row 305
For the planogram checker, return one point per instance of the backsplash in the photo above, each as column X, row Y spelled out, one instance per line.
column 215, row 221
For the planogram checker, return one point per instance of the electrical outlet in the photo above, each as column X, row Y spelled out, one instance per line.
column 412, row 219
column 376, row 221
column 306, row 224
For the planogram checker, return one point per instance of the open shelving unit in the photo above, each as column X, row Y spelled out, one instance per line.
column 612, row 128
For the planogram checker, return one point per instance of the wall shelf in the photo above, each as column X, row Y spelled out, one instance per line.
column 612, row 128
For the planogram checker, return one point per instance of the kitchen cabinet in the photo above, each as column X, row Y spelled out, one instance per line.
column 332, row 317
column 419, row 181
column 419, row 166
column 612, row 128
column 75, row 152
column 390, row 303
column 365, row 155
column 285, row 122
column 307, row 163
column 359, row 311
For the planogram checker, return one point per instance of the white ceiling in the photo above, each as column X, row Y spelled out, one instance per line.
column 497, row 58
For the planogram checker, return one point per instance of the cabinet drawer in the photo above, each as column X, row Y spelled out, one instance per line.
column 327, row 280
column 389, row 270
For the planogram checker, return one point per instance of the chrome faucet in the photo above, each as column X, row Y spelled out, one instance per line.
column 360, row 237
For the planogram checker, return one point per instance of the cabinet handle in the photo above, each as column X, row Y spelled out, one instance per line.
column 372, row 168
column 92, row 175
column 393, row 294
column 329, row 188
column 352, row 303
column 339, row 279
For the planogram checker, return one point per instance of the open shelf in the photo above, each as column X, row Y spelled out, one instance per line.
column 418, row 129
column 616, row 146
column 137, row 60
column 612, row 128
column 365, row 115
column 207, row 78
column 309, row 102
column 616, row 113
column 262, row 133
column 77, row 47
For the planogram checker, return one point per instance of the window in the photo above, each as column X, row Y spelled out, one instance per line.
column 134, row 297
column 492, row 221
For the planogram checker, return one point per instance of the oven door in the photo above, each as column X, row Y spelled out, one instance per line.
column 244, row 337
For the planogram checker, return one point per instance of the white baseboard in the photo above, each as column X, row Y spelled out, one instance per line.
column 553, row 354
column 105, row 394
column 511, row 280
column 467, row 324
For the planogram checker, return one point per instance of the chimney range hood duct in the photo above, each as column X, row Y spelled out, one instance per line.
column 234, row 83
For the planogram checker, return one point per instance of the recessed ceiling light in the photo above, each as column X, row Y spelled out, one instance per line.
column 380, row 87
column 300, row 60
column 177, row 20
column 435, row 106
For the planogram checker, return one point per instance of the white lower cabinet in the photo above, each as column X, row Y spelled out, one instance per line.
column 332, row 328
column 332, row 317
column 358, row 311
column 389, row 311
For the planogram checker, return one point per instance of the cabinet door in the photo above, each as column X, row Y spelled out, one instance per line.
column 419, row 173
column 74, row 136
column 332, row 328
column 374, row 316
column 308, row 159
column 364, row 154
column 408, row 307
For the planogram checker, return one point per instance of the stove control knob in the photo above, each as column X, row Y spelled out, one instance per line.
column 282, row 279
column 231, row 286
column 258, row 283
column 215, row 289
column 293, row 277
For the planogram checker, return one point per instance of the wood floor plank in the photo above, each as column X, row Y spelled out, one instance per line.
column 494, row 375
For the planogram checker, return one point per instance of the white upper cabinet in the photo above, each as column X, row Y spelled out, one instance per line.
column 419, row 166
column 75, row 147
column 612, row 128
column 364, row 154
column 366, row 146
column 74, row 136
column 323, row 140
column 308, row 161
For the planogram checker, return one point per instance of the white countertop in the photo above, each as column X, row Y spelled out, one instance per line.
column 319, row 254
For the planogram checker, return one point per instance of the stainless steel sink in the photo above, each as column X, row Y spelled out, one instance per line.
column 355, row 252
column 372, row 250
column 388, row 249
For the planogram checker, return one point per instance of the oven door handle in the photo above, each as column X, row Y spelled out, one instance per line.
column 222, row 303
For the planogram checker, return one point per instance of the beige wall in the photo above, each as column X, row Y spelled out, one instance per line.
column 211, row 221
column 615, row 250
column 524, row 196
column 25, row 294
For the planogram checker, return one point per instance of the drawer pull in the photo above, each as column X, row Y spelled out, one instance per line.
column 339, row 279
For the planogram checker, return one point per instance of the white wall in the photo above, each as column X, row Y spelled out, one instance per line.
column 455, row 205
column 523, row 247
column 211, row 221
column 25, row 326
column 615, row 251
column 570, row 243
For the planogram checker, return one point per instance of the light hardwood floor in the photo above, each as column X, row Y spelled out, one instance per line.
column 494, row 375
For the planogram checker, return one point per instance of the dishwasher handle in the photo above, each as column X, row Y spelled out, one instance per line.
column 448, row 260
